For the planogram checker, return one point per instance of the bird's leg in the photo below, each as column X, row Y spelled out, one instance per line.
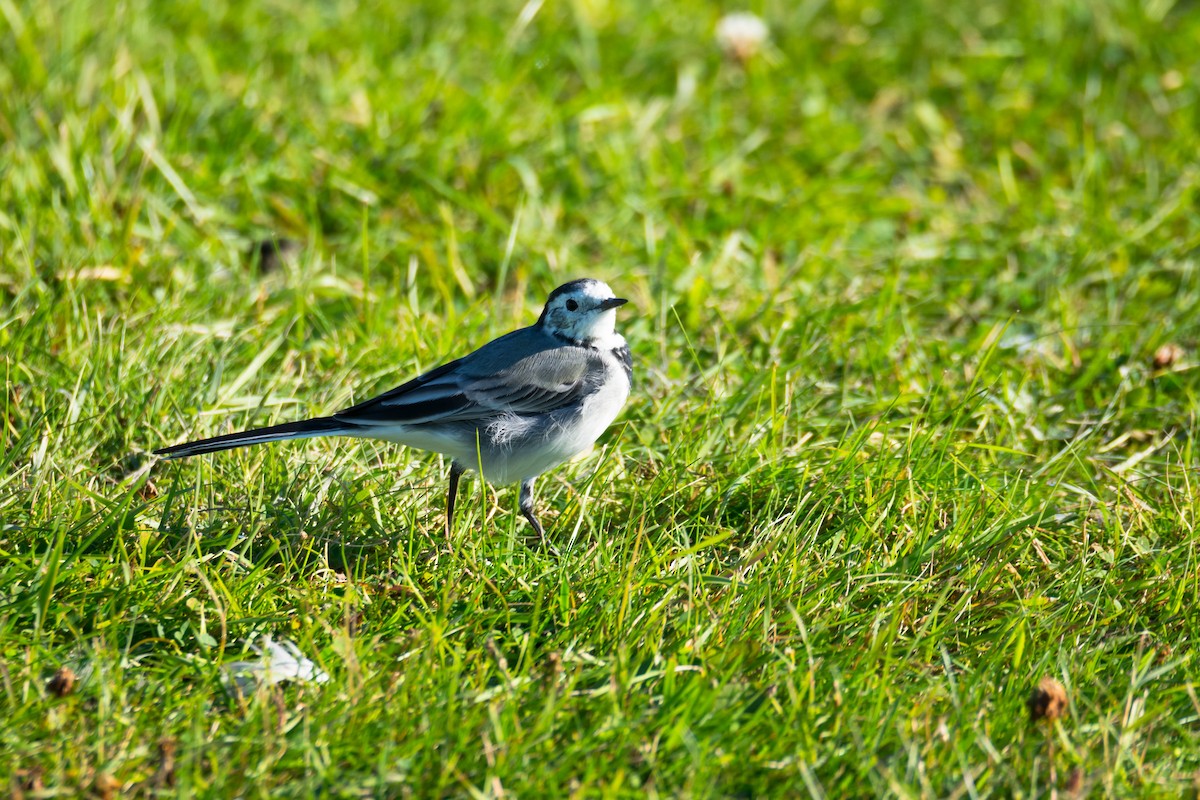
column 456, row 472
column 527, row 507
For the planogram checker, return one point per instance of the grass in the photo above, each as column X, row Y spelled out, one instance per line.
column 899, row 447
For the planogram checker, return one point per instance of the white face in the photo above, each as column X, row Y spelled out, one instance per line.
column 584, row 310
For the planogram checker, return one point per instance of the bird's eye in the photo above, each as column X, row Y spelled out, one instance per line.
column 572, row 305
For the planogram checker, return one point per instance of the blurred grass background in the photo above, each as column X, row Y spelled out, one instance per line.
column 914, row 321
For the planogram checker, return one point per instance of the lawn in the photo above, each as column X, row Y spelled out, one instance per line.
column 914, row 316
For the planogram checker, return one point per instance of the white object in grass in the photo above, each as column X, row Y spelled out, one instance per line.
column 280, row 661
column 741, row 35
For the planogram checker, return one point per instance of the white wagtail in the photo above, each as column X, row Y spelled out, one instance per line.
column 516, row 407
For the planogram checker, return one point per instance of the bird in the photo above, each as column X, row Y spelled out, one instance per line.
column 517, row 407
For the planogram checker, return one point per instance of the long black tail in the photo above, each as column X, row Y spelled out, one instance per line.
column 305, row 429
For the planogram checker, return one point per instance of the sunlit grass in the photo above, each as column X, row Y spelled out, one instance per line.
column 904, row 437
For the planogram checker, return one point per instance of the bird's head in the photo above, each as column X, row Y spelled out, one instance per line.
column 582, row 311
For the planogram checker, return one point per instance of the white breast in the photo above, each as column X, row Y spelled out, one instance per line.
column 601, row 407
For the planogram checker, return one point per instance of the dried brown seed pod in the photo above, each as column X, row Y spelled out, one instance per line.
column 1167, row 355
column 62, row 683
column 1047, row 701
column 105, row 786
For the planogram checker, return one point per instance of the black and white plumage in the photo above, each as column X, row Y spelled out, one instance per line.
column 518, row 406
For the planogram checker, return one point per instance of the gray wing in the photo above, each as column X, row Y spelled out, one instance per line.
column 525, row 372
column 539, row 383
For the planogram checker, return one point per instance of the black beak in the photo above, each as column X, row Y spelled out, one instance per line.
column 612, row 302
